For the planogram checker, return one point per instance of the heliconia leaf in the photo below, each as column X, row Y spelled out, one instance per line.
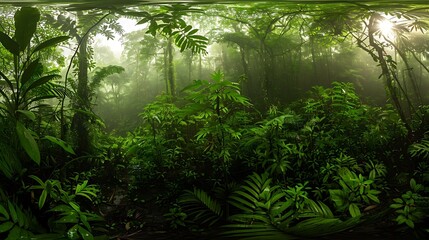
column 9, row 43
column 26, row 20
column 30, row 115
column 28, row 143
column 29, row 71
column 65, row 146
column 50, row 43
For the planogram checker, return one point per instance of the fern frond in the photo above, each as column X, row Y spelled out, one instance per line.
column 201, row 207
column 420, row 149
column 320, row 209
column 104, row 72
column 252, row 193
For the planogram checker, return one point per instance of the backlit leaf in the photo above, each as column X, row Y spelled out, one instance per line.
column 9, row 43
column 50, row 43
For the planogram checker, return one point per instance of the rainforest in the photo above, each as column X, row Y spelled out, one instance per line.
column 214, row 119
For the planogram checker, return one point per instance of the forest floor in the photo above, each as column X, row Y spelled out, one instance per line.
column 149, row 214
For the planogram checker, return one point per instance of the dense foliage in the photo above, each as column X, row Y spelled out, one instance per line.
column 280, row 136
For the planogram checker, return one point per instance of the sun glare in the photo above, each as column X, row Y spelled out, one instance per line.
column 386, row 29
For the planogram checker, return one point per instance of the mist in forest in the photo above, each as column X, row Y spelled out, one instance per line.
column 275, row 57
column 178, row 120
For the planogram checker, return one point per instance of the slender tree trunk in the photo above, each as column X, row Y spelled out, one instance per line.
column 200, row 67
column 245, row 70
column 171, row 75
column 410, row 72
column 191, row 55
column 167, row 88
column 313, row 58
column 386, row 72
column 80, row 118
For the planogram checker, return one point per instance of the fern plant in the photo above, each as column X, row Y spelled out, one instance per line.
column 201, row 208
column 420, row 149
column 168, row 20
column 411, row 208
column 210, row 107
column 355, row 192
column 269, row 212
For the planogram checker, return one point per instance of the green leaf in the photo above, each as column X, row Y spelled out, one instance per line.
column 50, row 43
column 71, row 218
column 65, row 146
column 86, row 235
column 4, row 227
column 143, row 21
column 192, row 32
column 61, row 208
column 29, row 71
column 28, row 143
column 4, row 212
column 42, row 81
column 75, row 206
column 30, row 115
column 26, row 20
column 12, row 212
column 42, row 198
column 9, row 44
column 354, row 210
column 373, row 198
column 85, row 222
column 187, row 28
column 37, row 179
column 413, row 183
column 21, row 217
column 410, row 223
column 16, row 233
column 396, row 205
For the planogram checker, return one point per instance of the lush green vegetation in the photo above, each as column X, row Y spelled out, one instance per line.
column 306, row 120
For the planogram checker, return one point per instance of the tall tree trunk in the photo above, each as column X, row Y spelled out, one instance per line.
column 171, row 77
column 167, row 88
column 191, row 55
column 313, row 58
column 386, row 72
column 82, row 104
column 245, row 70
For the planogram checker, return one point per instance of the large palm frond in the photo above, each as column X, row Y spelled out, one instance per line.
column 201, row 207
column 267, row 213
